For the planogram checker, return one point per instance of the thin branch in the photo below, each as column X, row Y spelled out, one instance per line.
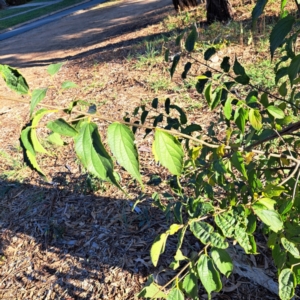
column 295, row 186
column 291, row 175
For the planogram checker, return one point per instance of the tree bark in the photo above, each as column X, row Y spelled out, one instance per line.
column 184, row 4
column 218, row 10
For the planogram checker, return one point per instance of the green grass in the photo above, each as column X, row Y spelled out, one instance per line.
column 10, row 12
column 37, row 13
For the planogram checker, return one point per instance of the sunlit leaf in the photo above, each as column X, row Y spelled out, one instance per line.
column 37, row 96
column 276, row 112
column 255, row 119
column 158, row 247
column 54, row 68
column 287, row 283
column 222, row 260
column 63, row 128
column 290, row 247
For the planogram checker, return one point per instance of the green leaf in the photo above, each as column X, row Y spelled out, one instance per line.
column 243, row 238
column 242, row 79
column 287, row 282
column 226, row 222
column 14, row 80
column 209, row 53
column 222, row 260
column 276, row 112
column 30, row 154
column 237, row 161
column 204, row 232
column 191, row 39
column 54, row 138
column 158, row 247
column 216, row 98
column 290, row 247
column 272, row 190
column 151, row 290
column 283, row 89
column 208, row 94
column 174, row 64
column 209, row 276
column 255, row 119
column 225, row 65
column 121, row 142
column 227, row 108
column 280, row 73
column 293, row 69
column 251, row 225
column 37, row 96
column 33, row 136
column 267, row 202
column 258, row 10
column 168, row 151
column 279, row 256
column 279, row 32
column 54, row 68
column 240, row 118
column 190, row 284
column 62, row 127
column 68, row 85
column 92, row 154
column 270, row 217
column 175, row 294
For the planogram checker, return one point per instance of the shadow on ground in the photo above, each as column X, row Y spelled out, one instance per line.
column 57, row 244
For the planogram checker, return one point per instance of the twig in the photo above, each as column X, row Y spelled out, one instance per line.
column 291, row 175
column 295, row 186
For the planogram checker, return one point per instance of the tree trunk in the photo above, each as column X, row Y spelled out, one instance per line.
column 218, row 10
column 185, row 4
column 3, row 4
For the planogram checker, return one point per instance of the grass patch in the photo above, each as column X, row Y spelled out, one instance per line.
column 10, row 12
column 37, row 13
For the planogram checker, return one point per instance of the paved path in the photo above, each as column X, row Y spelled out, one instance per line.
column 82, row 32
column 48, row 19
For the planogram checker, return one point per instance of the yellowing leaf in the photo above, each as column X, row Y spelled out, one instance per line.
column 221, row 150
column 158, row 247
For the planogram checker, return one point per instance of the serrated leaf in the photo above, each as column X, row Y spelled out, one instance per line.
column 92, row 154
column 54, row 138
column 222, row 260
column 14, row 79
column 190, row 284
column 121, row 142
column 290, row 247
column 174, row 64
column 209, row 53
column 37, row 96
column 68, row 85
column 63, row 128
column 175, row 294
column 191, row 39
column 255, row 119
column 202, row 231
column 287, row 284
column 54, row 68
column 168, row 151
column 293, row 69
column 269, row 217
column 276, row 112
column 243, row 238
column 279, row 32
column 226, row 223
column 158, row 247
column 209, row 276
column 225, row 65
column 34, row 164
column 218, row 241
column 237, row 161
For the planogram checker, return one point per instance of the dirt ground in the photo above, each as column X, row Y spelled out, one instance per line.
column 68, row 239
